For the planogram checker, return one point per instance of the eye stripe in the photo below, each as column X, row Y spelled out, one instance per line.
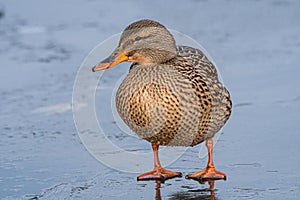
column 138, row 38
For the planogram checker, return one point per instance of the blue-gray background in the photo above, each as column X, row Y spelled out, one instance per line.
column 256, row 45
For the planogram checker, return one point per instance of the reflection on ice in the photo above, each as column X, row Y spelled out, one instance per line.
column 199, row 194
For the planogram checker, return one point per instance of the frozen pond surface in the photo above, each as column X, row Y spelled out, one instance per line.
column 256, row 45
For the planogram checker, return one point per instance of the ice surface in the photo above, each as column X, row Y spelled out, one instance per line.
column 256, row 45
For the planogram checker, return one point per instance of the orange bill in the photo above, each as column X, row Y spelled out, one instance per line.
column 110, row 62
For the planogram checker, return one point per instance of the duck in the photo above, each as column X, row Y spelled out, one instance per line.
column 171, row 95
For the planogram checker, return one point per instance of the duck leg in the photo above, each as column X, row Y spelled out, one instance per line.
column 209, row 172
column 158, row 173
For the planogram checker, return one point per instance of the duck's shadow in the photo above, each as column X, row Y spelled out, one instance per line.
column 192, row 194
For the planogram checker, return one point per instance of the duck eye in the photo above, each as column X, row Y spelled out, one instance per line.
column 129, row 54
column 137, row 38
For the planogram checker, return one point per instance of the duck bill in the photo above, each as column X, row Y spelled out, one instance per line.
column 110, row 62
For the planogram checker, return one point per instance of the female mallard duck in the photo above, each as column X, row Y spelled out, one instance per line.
column 171, row 95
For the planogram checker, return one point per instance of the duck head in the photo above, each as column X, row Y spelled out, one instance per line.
column 142, row 42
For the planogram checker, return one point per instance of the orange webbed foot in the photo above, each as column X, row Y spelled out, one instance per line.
column 209, row 173
column 158, row 173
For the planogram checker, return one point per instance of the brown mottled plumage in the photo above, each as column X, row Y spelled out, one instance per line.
column 185, row 84
column 171, row 95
